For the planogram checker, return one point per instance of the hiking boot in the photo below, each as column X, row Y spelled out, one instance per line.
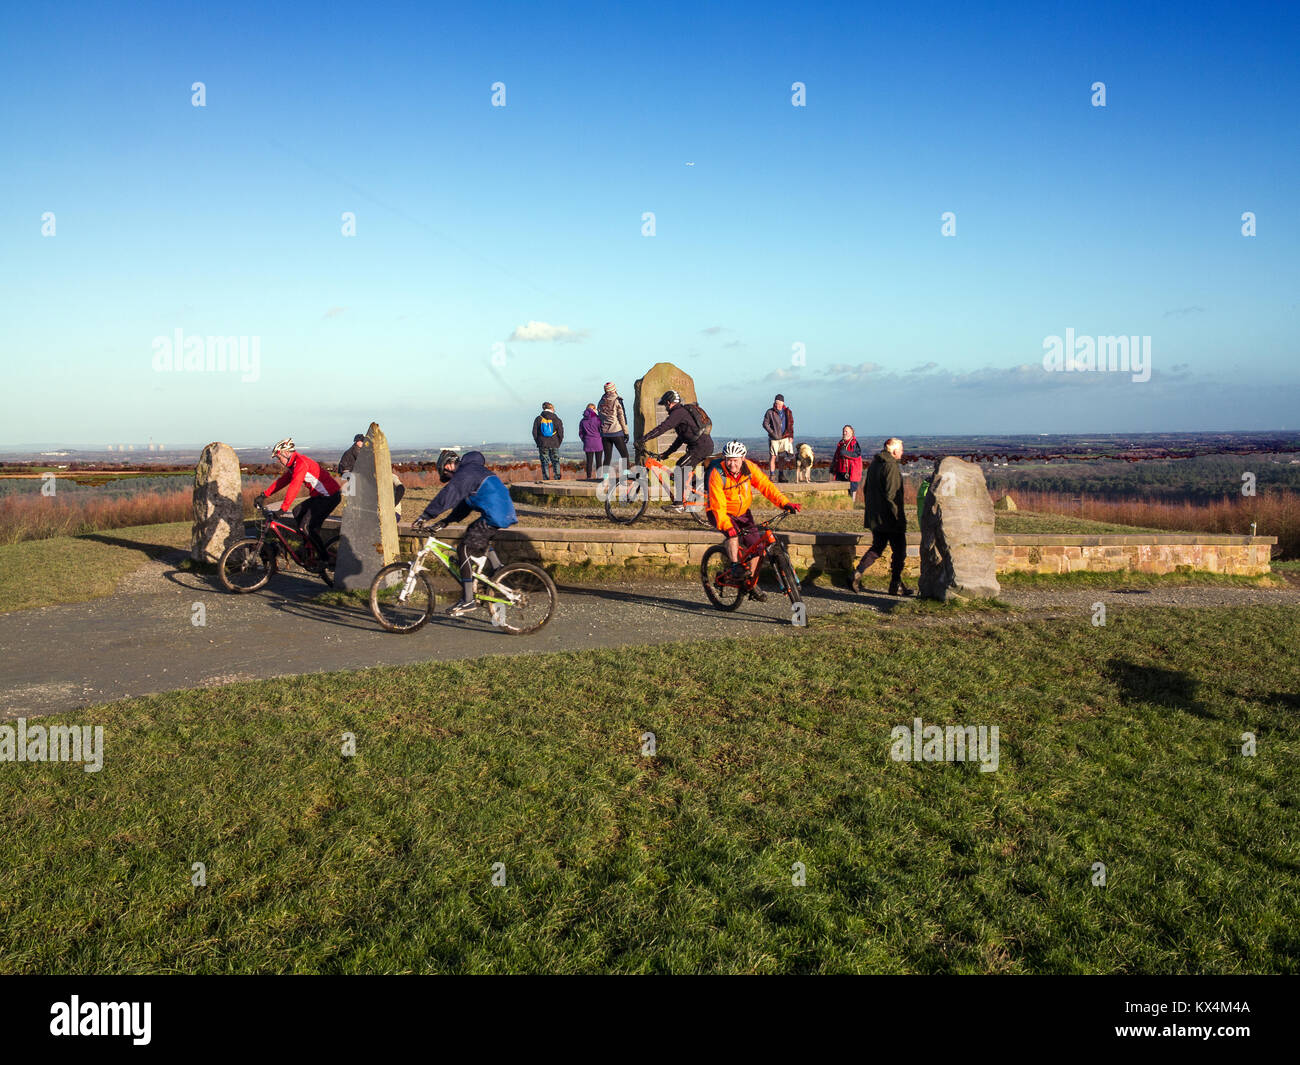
column 462, row 608
column 857, row 584
column 900, row 589
column 757, row 596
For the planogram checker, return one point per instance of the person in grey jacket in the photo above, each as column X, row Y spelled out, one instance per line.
column 778, row 423
column 613, row 423
column 885, row 516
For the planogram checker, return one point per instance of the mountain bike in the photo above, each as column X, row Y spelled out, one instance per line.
column 627, row 498
column 249, row 563
column 520, row 597
column 726, row 591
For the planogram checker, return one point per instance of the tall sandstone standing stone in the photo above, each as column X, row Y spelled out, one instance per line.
column 957, row 546
column 368, row 538
column 218, row 503
column 647, row 414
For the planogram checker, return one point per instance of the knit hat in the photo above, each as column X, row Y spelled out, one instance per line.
column 610, row 387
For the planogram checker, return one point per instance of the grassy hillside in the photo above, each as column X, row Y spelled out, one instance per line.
column 1119, row 745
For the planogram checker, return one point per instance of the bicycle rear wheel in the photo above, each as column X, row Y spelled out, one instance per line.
column 714, row 569
column 401, row 603
column 626, row 500
column 535, row 598
column 246, row 565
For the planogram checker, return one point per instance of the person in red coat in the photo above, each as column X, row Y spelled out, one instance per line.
column 847, row 464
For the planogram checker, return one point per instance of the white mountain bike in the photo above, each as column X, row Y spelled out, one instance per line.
column 520, row 597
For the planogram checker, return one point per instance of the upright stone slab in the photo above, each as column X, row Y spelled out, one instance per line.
column 218, row 503
column 368, row 539
column 957, row 547
column 646, row 414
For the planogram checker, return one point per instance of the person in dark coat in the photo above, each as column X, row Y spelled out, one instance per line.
column 885, row 516
column 592, row 443
column 349, row 457
column 548, row 435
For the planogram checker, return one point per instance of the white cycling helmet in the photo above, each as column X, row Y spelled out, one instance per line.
column 734, row 450
column 285, row 446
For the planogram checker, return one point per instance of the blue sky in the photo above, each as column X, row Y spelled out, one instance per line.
column 816, row 225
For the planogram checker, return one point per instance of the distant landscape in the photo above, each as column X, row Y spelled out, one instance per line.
column 1185, row 482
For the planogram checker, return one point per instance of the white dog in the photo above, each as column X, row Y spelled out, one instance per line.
column 803, row 471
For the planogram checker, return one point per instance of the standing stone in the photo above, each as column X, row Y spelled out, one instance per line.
column 218, row 503
column 368, row 538
column 646, row 415
column 957, row 547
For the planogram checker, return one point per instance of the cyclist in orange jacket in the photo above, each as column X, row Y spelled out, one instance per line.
column 731, row 485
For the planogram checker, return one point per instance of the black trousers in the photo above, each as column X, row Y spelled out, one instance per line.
column 476, row 541
column 310, row 514
column 612, row 442
column 896, row 539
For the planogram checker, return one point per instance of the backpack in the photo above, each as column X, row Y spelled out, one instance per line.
column 547, row 426
column 703, row 423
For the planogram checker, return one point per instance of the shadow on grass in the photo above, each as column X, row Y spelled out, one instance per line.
column 1161, row 687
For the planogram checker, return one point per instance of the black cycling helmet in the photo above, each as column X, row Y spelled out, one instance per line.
column 668, row 397
column 444, row 457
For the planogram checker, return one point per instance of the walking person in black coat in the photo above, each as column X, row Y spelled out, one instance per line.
column 885, row 516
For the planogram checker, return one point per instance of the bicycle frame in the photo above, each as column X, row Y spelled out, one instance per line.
column 273, row 524
column 444, row 553
column 664, row 476
column 744, row 555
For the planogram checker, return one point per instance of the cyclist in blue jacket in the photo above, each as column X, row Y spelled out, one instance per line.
column 468, row 486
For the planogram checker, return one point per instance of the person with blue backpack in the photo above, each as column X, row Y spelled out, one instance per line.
column 469, row 486
column 548, row 435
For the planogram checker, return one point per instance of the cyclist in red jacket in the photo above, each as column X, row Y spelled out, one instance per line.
column 322, row 492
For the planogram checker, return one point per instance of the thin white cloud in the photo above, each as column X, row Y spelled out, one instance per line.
column 546, row 331
column 334, row 312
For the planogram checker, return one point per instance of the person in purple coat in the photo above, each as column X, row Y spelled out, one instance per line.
column 592, row 445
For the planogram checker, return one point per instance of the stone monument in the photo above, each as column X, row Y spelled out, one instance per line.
column 646, row 414
column 368, row 537
column 957, row 547
column 218, row 503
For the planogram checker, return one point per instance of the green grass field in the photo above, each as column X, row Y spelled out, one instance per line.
column 72, row 569
column 1119, row 744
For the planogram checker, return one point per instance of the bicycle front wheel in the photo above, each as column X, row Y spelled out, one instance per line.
column 246, row 566
column 401, row 602
column 723, row 590
column 534, row 597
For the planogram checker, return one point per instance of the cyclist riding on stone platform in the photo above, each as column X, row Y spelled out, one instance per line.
column 730, row 493
column 322, row 497
column 690, row 434
column 469, row 486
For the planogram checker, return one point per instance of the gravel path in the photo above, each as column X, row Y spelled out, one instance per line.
column 143, row 638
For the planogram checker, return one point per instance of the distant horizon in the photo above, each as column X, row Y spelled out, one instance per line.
column 142, row 452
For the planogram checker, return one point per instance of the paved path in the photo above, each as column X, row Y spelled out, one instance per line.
column 142, row 640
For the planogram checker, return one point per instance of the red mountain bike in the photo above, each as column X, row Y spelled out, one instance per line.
column 249, row 564
column 725, row 591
